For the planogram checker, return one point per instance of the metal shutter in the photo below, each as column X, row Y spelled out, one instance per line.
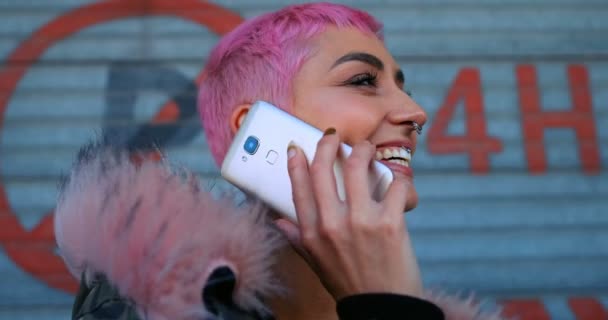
column 522, row 218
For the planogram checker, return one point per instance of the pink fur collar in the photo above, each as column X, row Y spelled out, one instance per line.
column 156, row 236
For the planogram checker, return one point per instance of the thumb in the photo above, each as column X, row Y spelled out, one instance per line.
column 290, row 230
column 292, row 233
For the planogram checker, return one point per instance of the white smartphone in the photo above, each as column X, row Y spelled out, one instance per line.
column 256, row 161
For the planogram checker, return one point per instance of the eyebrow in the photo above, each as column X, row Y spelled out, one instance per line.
column 362, row 57
column 369, row 59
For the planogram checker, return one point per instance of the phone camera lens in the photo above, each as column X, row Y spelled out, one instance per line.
column 251, row 145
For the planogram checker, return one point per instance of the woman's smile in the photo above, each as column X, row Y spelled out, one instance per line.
column 397, row 156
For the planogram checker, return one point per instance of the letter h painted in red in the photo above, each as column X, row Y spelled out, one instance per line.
column 580, row 118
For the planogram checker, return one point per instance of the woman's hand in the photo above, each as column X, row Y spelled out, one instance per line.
column 358, row 245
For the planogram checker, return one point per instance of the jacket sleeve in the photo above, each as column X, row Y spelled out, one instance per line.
column 384, row 306
column 101, row 301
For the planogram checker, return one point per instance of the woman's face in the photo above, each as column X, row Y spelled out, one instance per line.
column 352, row 83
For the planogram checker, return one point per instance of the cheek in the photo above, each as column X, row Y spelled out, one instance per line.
column 358, row 119
column 356, row 128
column 353, row 116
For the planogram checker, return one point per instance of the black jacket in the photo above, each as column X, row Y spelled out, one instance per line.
column 102, row 301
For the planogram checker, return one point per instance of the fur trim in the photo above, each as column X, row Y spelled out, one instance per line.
column 456, row 308
column 156, row 235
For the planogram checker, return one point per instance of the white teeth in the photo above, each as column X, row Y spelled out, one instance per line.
column 400, row 162
column 387, row 154
column 405, row 154
column 401, row 155
column 395, row 153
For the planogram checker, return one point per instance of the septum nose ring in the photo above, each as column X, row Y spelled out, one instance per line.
column 417, row 127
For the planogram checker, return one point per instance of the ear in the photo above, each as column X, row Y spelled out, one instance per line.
column 238, row 115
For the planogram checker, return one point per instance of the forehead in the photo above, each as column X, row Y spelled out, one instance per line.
column 334, row 42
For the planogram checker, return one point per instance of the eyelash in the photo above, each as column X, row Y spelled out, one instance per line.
column 372, row 78
column 362, row 78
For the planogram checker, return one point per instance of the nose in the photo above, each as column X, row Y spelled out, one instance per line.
column 405, row 111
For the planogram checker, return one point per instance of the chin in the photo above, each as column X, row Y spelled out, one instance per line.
column 412, row 200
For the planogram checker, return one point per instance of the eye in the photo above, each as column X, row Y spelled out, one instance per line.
column 367, row 79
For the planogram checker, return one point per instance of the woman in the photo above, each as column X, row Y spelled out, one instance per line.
column 327, row 65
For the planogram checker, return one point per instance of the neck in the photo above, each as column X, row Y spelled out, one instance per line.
column 305, row 297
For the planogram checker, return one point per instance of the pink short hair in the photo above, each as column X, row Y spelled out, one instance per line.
column 259, row 59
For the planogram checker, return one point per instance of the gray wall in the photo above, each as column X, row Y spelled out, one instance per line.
column 524, row 222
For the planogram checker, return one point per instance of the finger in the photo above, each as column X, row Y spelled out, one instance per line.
column 322, row 172
column 395, row 198
column 301, row 187
column 356, row 174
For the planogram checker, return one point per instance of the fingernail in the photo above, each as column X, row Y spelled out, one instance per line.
column 291, row 151
column 330, row 130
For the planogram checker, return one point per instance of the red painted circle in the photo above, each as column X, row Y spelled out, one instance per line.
column 33, row 251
